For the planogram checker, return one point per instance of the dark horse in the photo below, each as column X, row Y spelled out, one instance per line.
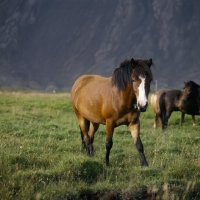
column 191, row 98
column 113, row 101
column 165, row 101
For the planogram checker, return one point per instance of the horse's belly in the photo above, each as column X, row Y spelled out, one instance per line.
column 190, row 110
column 95, row 118
column 91, row 113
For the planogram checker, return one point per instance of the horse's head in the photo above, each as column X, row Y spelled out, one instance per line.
column 141, row 79
column 189, row 90
column 135, row 74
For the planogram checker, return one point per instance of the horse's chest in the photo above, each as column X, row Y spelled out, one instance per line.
column 127, row 118
column 190, row 108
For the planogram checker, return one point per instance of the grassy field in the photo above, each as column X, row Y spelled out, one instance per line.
column 41, row 155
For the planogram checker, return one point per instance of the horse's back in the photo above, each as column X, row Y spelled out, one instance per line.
column 86, row 84
column 172, row 100
column 84, row 80
column 173, row 94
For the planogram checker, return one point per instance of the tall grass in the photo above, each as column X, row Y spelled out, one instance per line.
column 41, row 155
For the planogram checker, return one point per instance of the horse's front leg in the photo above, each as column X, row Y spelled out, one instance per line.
column 109, row 142
column 193, row 120
column 135, row 132
column 182, row 118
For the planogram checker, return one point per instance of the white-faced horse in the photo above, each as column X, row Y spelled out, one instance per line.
column 113, row 101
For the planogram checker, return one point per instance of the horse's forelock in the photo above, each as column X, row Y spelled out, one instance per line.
column 143, row 69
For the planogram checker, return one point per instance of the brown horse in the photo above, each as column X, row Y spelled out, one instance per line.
column 164, row 102
column 113, row 101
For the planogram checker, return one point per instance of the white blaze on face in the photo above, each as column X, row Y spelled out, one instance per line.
column 142, row 99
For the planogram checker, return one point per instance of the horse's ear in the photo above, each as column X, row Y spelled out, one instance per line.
column 133, row 63
column 150, row 62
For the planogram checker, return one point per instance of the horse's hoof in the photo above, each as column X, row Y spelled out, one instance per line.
column 144, row 165
column 106, row 162
column 91, row 154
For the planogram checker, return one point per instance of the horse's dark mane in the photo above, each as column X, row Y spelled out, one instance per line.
column 194, row 89
column 122, row 75
column 191, row 83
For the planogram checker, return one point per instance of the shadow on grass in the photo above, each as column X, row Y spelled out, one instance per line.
column 165, row 191
column 88, row 171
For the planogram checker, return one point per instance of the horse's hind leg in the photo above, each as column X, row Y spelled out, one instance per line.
column 182, row 118
column 165, row 123
column 162, row 116
column 82, row 135
column 93, row 128
column 166, row 118
column 193, row 120
column 84, row 128
column 109, row 141
column 155, row 120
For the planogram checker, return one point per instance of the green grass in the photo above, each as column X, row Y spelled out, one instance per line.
column 41, row 155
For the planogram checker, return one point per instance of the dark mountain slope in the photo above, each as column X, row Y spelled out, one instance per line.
column 49, row 42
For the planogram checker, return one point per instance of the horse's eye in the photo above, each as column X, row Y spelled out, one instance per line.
column 133, row 80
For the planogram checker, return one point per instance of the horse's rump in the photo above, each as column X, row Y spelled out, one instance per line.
column 155, row 98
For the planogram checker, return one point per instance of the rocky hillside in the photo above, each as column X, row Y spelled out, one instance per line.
column 48, row 44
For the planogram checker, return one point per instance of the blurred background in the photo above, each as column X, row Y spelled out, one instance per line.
column 47, row 44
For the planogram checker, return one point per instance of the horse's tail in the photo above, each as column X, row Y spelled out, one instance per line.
column 152, row 101
column 162, row 109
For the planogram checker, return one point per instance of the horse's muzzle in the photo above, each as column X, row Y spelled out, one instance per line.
column 142, row 108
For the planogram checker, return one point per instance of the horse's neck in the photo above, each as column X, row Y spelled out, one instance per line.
column 198, row 96
column 196, row 88
column 129, row 96
column 198, row 91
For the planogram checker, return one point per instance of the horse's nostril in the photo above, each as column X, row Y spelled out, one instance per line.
column 143, row 109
